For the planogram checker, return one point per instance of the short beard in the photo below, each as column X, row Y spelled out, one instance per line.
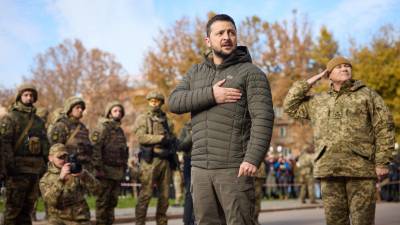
column 221, row 54
column 29, row 104
column 116, row 119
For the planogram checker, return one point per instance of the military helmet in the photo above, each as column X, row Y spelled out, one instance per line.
column 26, row 87
column 71, row 102
column 155, row 95
column 112, row 105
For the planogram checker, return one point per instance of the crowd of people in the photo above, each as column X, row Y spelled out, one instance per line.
column 225, row 159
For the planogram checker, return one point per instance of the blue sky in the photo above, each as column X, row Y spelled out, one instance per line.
column 127, row 28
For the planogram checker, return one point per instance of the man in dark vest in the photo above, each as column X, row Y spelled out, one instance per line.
column 70, row 131
column 155, row 136
column 110, row 157
column 25, row 146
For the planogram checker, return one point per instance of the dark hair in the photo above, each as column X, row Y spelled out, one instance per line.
column 219, row 17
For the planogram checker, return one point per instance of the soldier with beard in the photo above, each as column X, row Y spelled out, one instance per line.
column 154, row 133
column 25, row 146
column 110, row 157
column 70, row 131
column 230, row 103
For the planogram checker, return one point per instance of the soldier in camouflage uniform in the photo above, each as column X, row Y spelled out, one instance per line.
column 354, row 139
column 25, row 148
column 110, row 157
column 259, row 182
column 70, row 131
column 43, row 114
column 305, row 167
column 63, row 192
column 185, row 145
column 154, row 133
column 2, row 163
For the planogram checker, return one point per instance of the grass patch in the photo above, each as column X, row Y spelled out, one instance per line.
column 123, row 202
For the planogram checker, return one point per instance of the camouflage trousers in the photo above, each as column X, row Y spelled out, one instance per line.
column 178, row 186
column 159, row 173
column 349, row 198
column 258, row 185
column 58, row 221
column 107, row 200
column 21, row 194
column 220, row 197
column 307, row 186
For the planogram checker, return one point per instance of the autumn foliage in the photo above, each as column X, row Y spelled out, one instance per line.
column 285, row 50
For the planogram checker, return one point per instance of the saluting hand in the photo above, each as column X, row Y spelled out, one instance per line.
column 225, row 95
column 317, row 77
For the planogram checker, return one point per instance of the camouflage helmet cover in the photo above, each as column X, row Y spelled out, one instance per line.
column 71, row 102
column 26, row 87
column 155, row 95
column 111, row 105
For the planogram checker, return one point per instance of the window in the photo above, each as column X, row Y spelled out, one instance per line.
column 278, row 112
column 282, row 132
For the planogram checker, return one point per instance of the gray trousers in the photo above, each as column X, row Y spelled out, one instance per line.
column 220, row 197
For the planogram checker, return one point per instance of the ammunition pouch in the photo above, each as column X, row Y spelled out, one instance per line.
column 115, row 156
column 84, row 152
column 29, row 165
column 34, row 145
column 161, row 152
column 146, row 153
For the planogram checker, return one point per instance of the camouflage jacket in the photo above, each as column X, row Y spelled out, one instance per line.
column 353, row 128
column 305, row 164
column 261, row 173
column 66, row 199
column 80, row 144
column 151, row 128
column 110, row 150
column 30, row 156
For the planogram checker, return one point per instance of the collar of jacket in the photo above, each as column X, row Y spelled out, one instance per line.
column 240, row 55
column 22, row 108
column 72, row 119
column 348, row 86
column 53, row 169
column 110, row 122
column 156, row 116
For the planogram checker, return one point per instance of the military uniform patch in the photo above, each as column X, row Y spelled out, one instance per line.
column 95, row 136
column 55, row 136
column 3, row 128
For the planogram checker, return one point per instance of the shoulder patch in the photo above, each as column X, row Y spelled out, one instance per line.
column 55, row 136
column 3, row 128
column 95, row 136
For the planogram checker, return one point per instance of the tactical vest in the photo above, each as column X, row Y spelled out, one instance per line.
column 30, row 152
column 115, row 150
column 79, row 144
column 157, row 126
